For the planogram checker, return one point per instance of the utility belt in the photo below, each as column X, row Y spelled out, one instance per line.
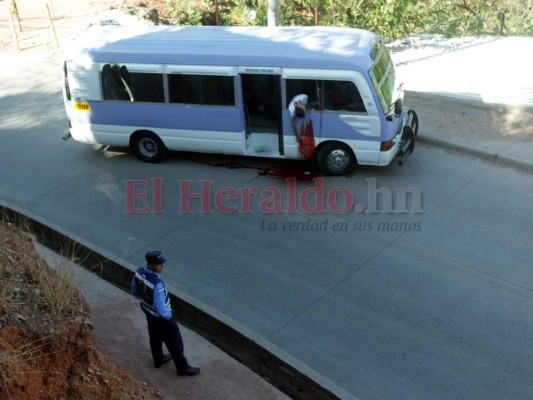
column 150, row 310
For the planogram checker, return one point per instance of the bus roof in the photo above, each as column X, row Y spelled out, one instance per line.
column 296, row 47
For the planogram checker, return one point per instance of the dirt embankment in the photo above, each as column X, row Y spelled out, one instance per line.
column 47, row 350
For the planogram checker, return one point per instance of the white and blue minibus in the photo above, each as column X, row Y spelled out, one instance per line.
column 228, row 89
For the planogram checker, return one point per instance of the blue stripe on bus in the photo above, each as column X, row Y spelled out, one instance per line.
column 167, row 116
column 224, row 119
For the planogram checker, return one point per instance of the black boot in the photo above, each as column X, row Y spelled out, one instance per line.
column 188, row 371
column 166, row 358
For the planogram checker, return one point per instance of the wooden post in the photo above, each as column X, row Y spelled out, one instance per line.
column 51, row 24
column 12, row 11
column 51, row 7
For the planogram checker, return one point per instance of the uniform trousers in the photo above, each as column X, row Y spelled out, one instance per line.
column 166, row 331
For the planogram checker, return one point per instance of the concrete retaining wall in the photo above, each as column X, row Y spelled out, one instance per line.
column 289, row 375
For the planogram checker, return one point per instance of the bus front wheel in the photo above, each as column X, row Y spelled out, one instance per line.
column 336, row 159
column 148, row 147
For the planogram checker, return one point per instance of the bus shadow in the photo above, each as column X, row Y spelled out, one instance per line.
column 274, row 168
column 271, row 168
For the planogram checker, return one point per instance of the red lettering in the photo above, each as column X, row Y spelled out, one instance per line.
column 187, row 195
column 349, row 200
column 318, row 193
column 225, row 193
column 158, row 195
column 291, row 195
column 132, row 195
column 271, row 204
column 246, row 203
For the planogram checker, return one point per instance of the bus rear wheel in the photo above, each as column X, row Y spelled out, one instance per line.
column 336, row 159
column 148, row 147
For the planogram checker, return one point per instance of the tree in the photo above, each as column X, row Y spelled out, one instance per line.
column 388, row 18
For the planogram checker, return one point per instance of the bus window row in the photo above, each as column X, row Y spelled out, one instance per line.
column 119, row 84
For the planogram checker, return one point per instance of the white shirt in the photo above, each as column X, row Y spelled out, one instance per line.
column 302, row 98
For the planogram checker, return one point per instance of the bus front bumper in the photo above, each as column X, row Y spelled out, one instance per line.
column 407, row 142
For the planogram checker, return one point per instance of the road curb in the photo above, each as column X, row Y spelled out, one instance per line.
column 476, row 151
column 458, row 145
column 471, row 100
column 514, row 162
column 288, row 374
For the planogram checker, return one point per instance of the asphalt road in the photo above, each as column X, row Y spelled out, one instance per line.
column 388, row 304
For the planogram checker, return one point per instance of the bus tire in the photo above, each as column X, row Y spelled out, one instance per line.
column 336, row 159
column 148, row 147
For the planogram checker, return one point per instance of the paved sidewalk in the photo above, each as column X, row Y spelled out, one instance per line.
column 473, row 95
column 489, row 70
column 493, row 132
column 113, row 310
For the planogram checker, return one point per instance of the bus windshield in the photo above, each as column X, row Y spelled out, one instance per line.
column 383, row 77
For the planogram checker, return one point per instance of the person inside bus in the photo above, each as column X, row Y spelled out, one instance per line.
column 297, row 109
column 112, row 90
column 115, row 88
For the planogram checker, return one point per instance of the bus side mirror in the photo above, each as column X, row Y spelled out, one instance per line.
column 398, row 107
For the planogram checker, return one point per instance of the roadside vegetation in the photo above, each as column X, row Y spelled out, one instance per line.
column 47, row 350
column 389, row 18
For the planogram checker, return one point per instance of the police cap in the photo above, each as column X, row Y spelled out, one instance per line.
column 154, row 258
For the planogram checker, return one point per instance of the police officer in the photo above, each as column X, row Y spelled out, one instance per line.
column 162, row 327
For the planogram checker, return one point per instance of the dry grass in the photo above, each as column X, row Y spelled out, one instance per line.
column 34, row 299
column 3, row 294
column 55, row 289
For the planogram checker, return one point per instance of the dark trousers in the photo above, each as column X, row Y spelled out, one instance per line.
column 166, row 331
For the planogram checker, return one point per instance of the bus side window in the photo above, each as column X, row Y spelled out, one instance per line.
column 224, row 87
column 342, row 96
column 303, row 86
column 180, row 90
column 210, row 90
column 120, row 84
column 145, row 87
column 112, row 84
